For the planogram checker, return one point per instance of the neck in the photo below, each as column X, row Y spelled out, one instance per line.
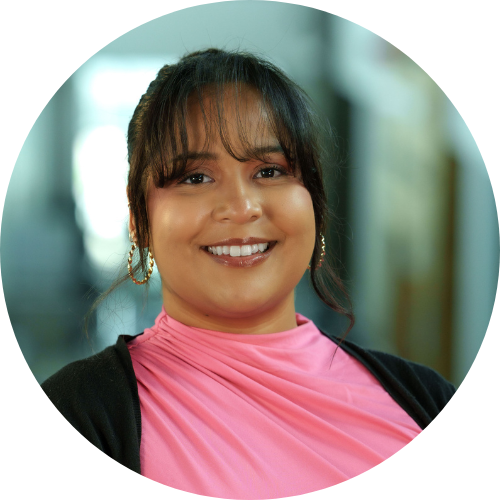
column 278, row 318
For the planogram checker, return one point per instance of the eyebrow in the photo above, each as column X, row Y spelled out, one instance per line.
column 254, row 152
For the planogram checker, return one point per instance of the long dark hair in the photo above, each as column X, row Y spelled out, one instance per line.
column 157, row 134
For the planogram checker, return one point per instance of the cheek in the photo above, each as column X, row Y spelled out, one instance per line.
column 294, row 213
column 172, row 222
column 171, row 230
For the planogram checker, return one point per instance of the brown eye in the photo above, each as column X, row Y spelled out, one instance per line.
column 269, row 172
column 196, row 179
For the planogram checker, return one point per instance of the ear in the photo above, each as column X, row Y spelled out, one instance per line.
column 131, row 220
column 131, row 225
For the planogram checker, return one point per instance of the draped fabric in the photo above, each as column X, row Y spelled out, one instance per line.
column 258, row 416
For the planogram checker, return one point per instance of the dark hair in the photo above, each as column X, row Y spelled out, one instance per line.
column 157, row 133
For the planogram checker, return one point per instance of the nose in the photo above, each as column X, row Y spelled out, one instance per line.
column 238, row 201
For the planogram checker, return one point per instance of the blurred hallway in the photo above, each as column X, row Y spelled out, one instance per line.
column 419, row 232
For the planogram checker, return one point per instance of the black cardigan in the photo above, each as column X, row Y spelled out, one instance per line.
column 99, row 395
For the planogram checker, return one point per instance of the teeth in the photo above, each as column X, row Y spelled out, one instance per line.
column 236, row 251
column 246, row 250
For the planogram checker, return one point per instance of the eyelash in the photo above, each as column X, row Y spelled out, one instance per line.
column 277, row 168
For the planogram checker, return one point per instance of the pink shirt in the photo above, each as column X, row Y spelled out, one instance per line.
column 258, row 416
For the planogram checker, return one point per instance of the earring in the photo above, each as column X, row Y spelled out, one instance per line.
column 150, row 269
column 323, row 253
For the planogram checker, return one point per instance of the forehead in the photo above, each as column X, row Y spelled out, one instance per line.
column 237, row 117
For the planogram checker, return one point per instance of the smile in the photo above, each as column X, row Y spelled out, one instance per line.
column 240, row 255
column 239, row 251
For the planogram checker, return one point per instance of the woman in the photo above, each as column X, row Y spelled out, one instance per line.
column 231, row 393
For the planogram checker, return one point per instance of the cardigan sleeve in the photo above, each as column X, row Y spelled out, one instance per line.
column 98, row 396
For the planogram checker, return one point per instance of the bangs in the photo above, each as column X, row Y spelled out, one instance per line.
column 248, row 135
column 216, row 85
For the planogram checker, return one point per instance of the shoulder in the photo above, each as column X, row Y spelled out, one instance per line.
column 95, row 375
column 88, row 390
column 419, row 390
column 417, row 378
column 84, row 377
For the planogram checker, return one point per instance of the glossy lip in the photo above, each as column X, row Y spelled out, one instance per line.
column 247, row 260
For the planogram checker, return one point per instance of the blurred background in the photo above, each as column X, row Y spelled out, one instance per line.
column 418, row 240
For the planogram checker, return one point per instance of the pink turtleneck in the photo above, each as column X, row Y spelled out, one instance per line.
column 258, row 416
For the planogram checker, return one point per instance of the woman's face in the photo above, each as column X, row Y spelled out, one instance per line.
column 204, row 226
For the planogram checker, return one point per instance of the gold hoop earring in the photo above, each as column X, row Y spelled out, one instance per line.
column 323, row 253
column 150, row 269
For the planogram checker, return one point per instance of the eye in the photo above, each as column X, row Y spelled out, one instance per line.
column 196, row 178
column 270, row 172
